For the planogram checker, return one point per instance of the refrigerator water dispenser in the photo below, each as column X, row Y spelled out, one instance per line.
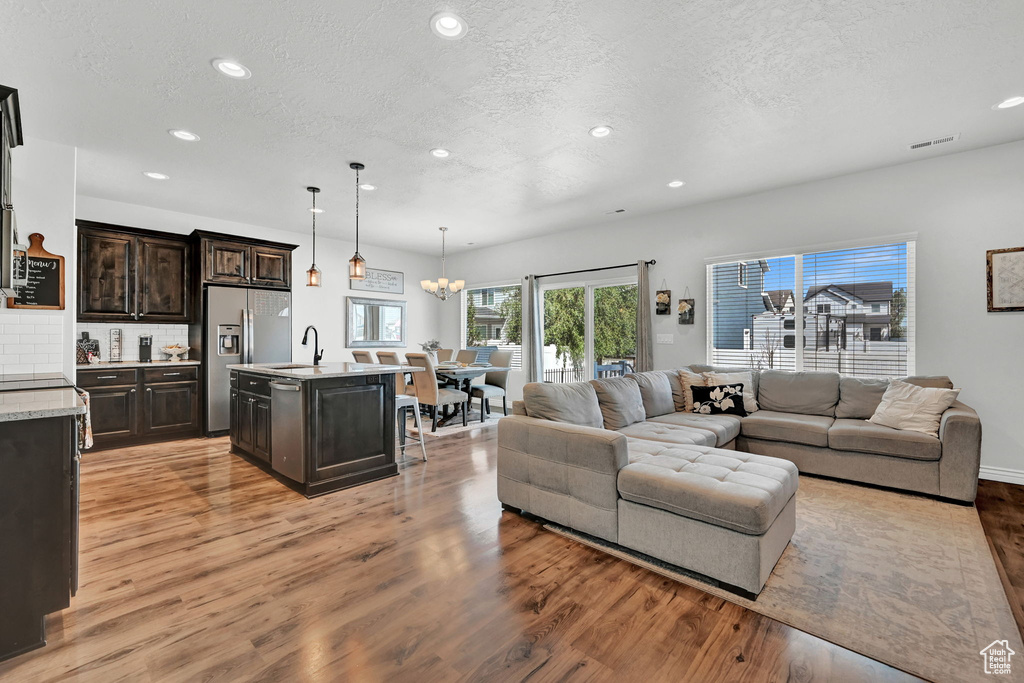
column 228, row 340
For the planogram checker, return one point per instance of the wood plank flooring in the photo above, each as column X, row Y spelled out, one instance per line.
column 196, row 566
column 1001, row 508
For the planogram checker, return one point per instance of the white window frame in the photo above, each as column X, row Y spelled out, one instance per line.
column 588, row 312
column 909, row 238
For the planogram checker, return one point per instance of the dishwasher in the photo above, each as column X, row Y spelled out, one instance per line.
column 287, row 430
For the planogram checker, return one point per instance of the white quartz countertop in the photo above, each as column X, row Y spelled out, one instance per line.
column 106, row 365
column 322, row 371
column 32, row 404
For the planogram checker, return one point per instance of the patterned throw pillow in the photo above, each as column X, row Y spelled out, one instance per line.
column 723, row 399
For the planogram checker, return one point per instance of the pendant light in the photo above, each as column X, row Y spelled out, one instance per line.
column 313, row 274
column 441, row 289
column 357, row 264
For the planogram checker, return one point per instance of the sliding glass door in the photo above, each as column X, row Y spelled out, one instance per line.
column 589, row 330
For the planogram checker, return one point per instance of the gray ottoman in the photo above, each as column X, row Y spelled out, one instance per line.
column 725, row 514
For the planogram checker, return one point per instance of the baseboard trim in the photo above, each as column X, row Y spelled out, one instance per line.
column 1002, row 474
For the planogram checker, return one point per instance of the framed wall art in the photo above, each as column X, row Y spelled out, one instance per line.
column 662, row 301
column 1006, row 279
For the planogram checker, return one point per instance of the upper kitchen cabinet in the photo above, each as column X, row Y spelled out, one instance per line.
column 125, row 274
column 230, row 260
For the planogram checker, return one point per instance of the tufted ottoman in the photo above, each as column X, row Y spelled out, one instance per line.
column 726, row 514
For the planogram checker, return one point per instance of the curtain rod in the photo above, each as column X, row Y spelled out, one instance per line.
column 593, row 270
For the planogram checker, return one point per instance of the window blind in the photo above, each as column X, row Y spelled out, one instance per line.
column 845, row 310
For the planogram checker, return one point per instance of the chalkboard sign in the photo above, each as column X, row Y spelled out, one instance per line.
column 45, row 288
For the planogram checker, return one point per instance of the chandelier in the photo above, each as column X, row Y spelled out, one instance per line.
column 441, row 289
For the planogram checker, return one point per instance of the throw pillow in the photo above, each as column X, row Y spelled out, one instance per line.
column 724, row 399
column 744, row 378
column 656, row 390
column 913, row 408
column 681, row 389
column 572, row 402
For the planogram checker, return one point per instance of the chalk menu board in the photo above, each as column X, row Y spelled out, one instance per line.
column 45, row 288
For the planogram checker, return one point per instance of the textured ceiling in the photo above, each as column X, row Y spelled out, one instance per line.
column 731, row 96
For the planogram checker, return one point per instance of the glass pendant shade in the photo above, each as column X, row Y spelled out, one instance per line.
column 313, row 276
column 356, row 267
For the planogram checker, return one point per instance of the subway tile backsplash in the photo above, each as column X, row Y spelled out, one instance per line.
column 31, row 343
column 163, row 335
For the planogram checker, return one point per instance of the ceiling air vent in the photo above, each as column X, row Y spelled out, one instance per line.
column 608, row 213
column 935, row 141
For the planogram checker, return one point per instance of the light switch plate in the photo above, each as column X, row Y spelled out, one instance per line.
column 666, row 339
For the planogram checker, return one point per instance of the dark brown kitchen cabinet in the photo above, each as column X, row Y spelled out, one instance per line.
column 165, row 274
column 228, row 260
column 250, row 422
column 106, row 276
column 132, row 406
column 126, row 275
column 170, row 408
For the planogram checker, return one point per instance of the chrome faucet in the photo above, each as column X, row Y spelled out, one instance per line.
column 317, row 355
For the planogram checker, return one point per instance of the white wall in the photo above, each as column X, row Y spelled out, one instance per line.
column 43, row 194
column 323, row 307
column 960, row 205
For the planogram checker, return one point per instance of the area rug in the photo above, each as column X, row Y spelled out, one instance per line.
column 455, row 426
column 906, row 580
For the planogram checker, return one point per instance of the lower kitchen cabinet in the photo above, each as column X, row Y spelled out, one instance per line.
column 142, row 405
column 251, row 423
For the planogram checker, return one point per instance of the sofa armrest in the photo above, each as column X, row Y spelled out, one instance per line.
column 960, row 434
column 590, row 448
column 562, row 472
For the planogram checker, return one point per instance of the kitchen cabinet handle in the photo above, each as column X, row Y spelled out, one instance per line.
column 149, row 389
column 252, row 383
column 171, row 374
column 107, row 377
column 285, row 387
column 132, row 391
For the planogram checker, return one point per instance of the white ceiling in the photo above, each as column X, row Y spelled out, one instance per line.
column 732, row 97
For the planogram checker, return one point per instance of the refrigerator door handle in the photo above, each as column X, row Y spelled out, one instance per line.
column 245, row 335
column 252, row 334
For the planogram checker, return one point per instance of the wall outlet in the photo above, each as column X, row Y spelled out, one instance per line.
column 666, row 338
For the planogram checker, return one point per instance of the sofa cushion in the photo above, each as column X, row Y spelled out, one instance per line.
column 669, row 433
column 656, row 391
column 746, row 378
column 908, row 406
column 737, row 491
column 865, row 437
column 620, row 401
column 724, row 427
column 807, row 393
column 859, row 396
column 572, row 402
column 701, row 368
column 771, row 425
column 684, row 379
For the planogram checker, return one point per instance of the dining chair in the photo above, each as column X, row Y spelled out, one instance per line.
column 362, row 357
column 444, row 354
column 431, row 395
column 466, row 356
column 495, row 384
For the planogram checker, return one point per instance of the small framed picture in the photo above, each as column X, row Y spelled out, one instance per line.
column 663, row 301
column 1006, row 279
column 685, row 309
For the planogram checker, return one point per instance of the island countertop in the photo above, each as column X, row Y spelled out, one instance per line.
column 39, row 403
column 302, row 371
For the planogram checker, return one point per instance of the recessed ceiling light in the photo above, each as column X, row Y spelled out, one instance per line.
column 156, row 176
column 184, row 135
column 448, row 25
column 367, row 186
column 440, row 153
column 231, row 69
column 1010, row 102
column 469, row 244
column 676, row 183
column 601, row 131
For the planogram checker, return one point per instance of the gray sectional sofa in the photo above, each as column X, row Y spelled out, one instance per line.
column 618, row 459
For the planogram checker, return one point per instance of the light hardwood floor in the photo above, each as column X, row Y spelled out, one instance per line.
column 197, row 566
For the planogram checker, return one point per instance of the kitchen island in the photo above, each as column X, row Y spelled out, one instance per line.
column 320, row 428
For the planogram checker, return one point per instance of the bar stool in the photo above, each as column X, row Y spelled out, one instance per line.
column 362, row 356
column 404, row 402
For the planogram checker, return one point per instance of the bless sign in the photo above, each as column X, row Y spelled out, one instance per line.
column 388, row 281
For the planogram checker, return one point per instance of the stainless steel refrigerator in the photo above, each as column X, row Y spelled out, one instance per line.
column 241, row 326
